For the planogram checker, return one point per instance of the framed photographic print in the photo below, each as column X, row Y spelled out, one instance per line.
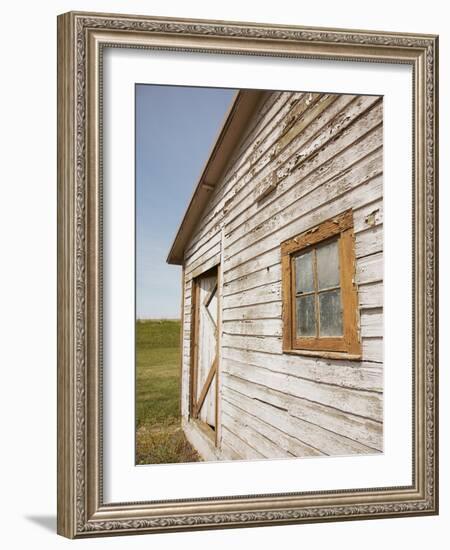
column 247, row 278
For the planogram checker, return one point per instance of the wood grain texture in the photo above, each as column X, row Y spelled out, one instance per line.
column 318, row 439
column 206, row 357
column 320, row 156
column 363, row 430
column 81, row 509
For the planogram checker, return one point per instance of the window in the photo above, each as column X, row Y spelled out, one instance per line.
column 320, row 302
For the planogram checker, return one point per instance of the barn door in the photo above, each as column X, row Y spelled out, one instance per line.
column 204, row 403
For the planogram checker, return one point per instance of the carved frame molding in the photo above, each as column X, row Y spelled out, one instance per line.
column 81, row 39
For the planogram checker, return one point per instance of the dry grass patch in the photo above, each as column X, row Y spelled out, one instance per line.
column 159, row 437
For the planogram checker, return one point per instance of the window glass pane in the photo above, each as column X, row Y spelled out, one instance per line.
column 330, row 313
column 306, row 316
column 304, row 273
column 328, row 265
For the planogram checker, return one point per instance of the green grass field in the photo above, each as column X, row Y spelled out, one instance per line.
column 159, row 437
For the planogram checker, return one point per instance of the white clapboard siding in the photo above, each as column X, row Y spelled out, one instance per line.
column 325, row 441
column 296, row 107
column 212, row 250
column 328, row 161
column 251, row 432
column 273, row 107
column 371, row 295
column 237, row 408
column 289, row 209
column 303, row 130
column 369, row 269
column 371, row 321
column 262, row 269
column 253, row 327
column 265, row 155
column 370, row 215
column 271, row 112
column 287, row 180
column 268, row 274
column 238, row 445
column 268, row 344
column 369, row 241
column 285, row 207
column 185, row 374
column 358, row 402
column 185, row 348
column 372, row 349
column 241, row 167
column 268, row 310
column 295, row 190
column 212, row 260
column 349, row 374
column 322, row 154
column 203, row 249
column 363, row 430
column 306, row 128
column 255, row 295
column 319, row 207
column 266, row 251
column 311, row 129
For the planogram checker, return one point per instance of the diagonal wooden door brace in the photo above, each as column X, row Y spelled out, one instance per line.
column 209, row 378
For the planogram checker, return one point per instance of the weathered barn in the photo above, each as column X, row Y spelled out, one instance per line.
column 282, row 255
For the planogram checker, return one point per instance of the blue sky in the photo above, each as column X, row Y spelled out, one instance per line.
column 175, row 129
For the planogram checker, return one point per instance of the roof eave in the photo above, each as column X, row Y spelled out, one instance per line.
column 235, row 123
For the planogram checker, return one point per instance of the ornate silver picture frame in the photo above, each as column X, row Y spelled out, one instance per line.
column 82, row 41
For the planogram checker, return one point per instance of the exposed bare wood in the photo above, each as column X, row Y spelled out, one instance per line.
column 325, row 230
column 247, row 430
column 307, row 158
column 234, row 199
column 363, row 430
column 358, row 402
column 239, row 446
column 292, row 446
column 363, row 137
column 324, row 441
column 322, row 206
column 362, row 375
column 241, row 208
column 368, row 216
column 207, row 385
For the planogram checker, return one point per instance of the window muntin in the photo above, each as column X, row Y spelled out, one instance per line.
column 318, row 309
column 320, row 305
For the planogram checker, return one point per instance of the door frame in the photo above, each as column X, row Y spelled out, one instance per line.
column 209, row 270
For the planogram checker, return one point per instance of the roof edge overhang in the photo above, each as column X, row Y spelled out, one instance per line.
column 235, row 123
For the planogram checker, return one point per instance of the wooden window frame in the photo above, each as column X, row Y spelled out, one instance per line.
column 349, row 345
